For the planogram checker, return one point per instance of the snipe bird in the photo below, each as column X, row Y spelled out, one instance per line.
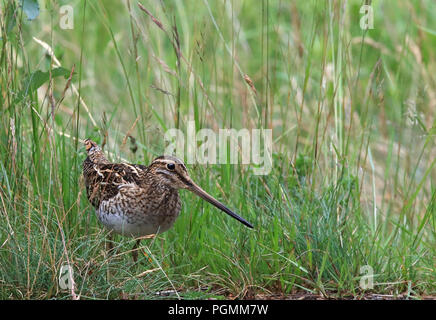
column 136, row 200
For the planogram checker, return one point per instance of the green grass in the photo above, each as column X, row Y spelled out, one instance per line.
column 353, row 120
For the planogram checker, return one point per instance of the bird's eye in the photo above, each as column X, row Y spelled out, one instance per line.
column 171, row 166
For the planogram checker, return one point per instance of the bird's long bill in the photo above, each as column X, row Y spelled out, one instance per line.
column 203, row 194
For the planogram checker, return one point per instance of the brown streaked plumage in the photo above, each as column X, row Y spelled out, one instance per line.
column 136, row 200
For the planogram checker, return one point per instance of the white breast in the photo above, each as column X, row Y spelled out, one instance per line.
column 119, row 224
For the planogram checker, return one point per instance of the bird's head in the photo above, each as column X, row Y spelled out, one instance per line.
column 90, row 146
column 172, row 172
column 94, row 151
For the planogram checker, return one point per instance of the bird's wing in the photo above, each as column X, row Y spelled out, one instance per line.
column 104, row 180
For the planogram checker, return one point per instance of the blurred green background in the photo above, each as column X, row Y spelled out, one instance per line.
column 352, row 113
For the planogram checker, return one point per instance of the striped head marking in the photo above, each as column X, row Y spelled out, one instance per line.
column 89, row 144
column 172, row 171
column 95, row 153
